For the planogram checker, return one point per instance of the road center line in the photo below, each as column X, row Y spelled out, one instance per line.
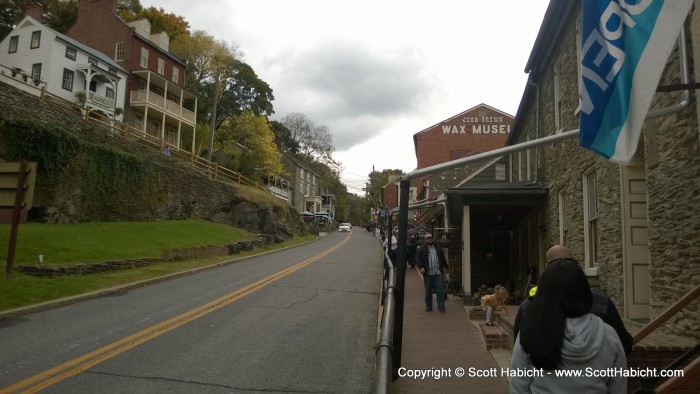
column 77, row 365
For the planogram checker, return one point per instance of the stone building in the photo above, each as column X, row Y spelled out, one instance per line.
column 634, row 227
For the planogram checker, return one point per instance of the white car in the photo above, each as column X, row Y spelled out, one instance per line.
column 345, row 227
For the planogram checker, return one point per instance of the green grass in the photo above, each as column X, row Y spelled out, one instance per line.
column 69, row 244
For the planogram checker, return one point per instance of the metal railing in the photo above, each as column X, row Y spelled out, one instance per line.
column 385, row 346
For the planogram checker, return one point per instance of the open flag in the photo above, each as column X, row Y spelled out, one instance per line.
column 624, row 48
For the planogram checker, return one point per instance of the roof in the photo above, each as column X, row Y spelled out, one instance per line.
column 556, row 18
column 482, row 105
column 512, row 198
column 72, row 42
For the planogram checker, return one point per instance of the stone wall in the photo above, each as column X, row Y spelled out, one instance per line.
column 86, row 173
column 671, row 159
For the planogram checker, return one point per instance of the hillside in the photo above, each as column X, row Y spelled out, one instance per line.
column 86, row 173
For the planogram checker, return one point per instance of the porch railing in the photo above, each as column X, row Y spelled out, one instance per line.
column 146, row 97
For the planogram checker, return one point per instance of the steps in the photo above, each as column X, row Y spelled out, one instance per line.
column 500, row 334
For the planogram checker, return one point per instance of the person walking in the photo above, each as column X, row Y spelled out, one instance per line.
column 391, row 244
column 602, row 306
column 559, row 333
column 430, row 260
column 411, row 247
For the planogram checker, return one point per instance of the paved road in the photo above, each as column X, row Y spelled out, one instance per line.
column 299, row 320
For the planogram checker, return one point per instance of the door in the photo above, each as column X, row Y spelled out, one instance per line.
column 635, row 252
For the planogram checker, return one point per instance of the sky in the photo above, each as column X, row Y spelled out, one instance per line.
column 377, row 72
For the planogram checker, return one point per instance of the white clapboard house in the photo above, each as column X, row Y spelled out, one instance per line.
column 57, row 65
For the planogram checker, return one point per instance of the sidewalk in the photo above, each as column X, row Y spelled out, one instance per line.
column 438, row 344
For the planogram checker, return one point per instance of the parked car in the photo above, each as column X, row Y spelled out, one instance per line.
column 345, row 227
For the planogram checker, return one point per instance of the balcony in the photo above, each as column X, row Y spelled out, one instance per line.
column 100, row 100
column 143, row 97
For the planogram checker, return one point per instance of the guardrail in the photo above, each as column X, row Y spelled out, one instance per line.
column 385, row 346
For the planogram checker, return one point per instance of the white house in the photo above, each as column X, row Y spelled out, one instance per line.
column 40, row 56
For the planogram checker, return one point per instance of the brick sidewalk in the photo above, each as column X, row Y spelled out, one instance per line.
column 442, row 342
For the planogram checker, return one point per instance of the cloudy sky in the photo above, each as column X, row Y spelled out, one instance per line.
column 377, row 72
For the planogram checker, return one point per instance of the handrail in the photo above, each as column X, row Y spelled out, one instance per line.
column 385, row 346
column 690, row 370
column 667, row 314
column 693, row 368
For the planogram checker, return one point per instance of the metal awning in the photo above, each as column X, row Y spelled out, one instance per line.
column 512, row 198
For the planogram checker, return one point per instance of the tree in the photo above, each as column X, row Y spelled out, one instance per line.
column 210, row 62
column 160, row 20
column 260, row 158
column 315, row 142
column 127, row 9
column 283, row 138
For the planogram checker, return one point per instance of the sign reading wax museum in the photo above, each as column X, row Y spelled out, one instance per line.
column 479, row 125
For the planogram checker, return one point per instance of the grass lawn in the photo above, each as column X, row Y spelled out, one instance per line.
column 68, row 244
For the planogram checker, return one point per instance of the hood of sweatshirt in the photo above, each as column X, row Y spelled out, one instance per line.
column 583, row 338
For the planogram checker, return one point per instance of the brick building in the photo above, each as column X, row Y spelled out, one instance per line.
column 478, row 129
column 157, row 102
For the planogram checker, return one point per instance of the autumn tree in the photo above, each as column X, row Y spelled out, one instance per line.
column 160, row 20
column 253, row 141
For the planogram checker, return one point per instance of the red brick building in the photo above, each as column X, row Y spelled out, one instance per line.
column 156, row 100
column 478, row 129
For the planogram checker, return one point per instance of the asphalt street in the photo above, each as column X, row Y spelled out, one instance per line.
column 303, row 319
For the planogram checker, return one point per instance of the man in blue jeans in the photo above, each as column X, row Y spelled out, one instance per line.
column 431, row 261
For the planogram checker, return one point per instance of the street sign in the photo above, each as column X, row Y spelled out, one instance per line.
column 16, row 194
column 9, row 177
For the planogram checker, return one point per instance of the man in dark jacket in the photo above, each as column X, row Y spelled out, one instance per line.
column 431, row 261
column 603, row 306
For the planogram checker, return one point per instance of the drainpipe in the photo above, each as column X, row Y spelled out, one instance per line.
column 536, row 86
column 685, row 79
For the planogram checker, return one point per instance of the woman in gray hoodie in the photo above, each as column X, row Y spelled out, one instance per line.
column 562, row 347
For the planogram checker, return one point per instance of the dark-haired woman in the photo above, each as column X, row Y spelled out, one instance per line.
column 559, row 339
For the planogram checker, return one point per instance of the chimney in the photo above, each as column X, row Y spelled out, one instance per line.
column 35, row 10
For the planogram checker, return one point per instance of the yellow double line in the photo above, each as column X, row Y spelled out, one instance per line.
column 77, row 365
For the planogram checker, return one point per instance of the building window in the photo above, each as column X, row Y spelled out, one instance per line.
column 36, row 40
column 161, row 66
column 563, row 218
column 176, row 75
column 144, row 58
column 590, row 214
column 500, row 172
column 92, row 61
column 36, row 72
column 67, row 79
column 119, row 51
column 14, row 42
column 71, row 53
column 109, row 92
column 138, row 122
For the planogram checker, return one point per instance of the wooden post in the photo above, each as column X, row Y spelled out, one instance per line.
column 19, row 197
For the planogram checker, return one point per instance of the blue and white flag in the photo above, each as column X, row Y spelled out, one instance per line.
column 624, row 49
